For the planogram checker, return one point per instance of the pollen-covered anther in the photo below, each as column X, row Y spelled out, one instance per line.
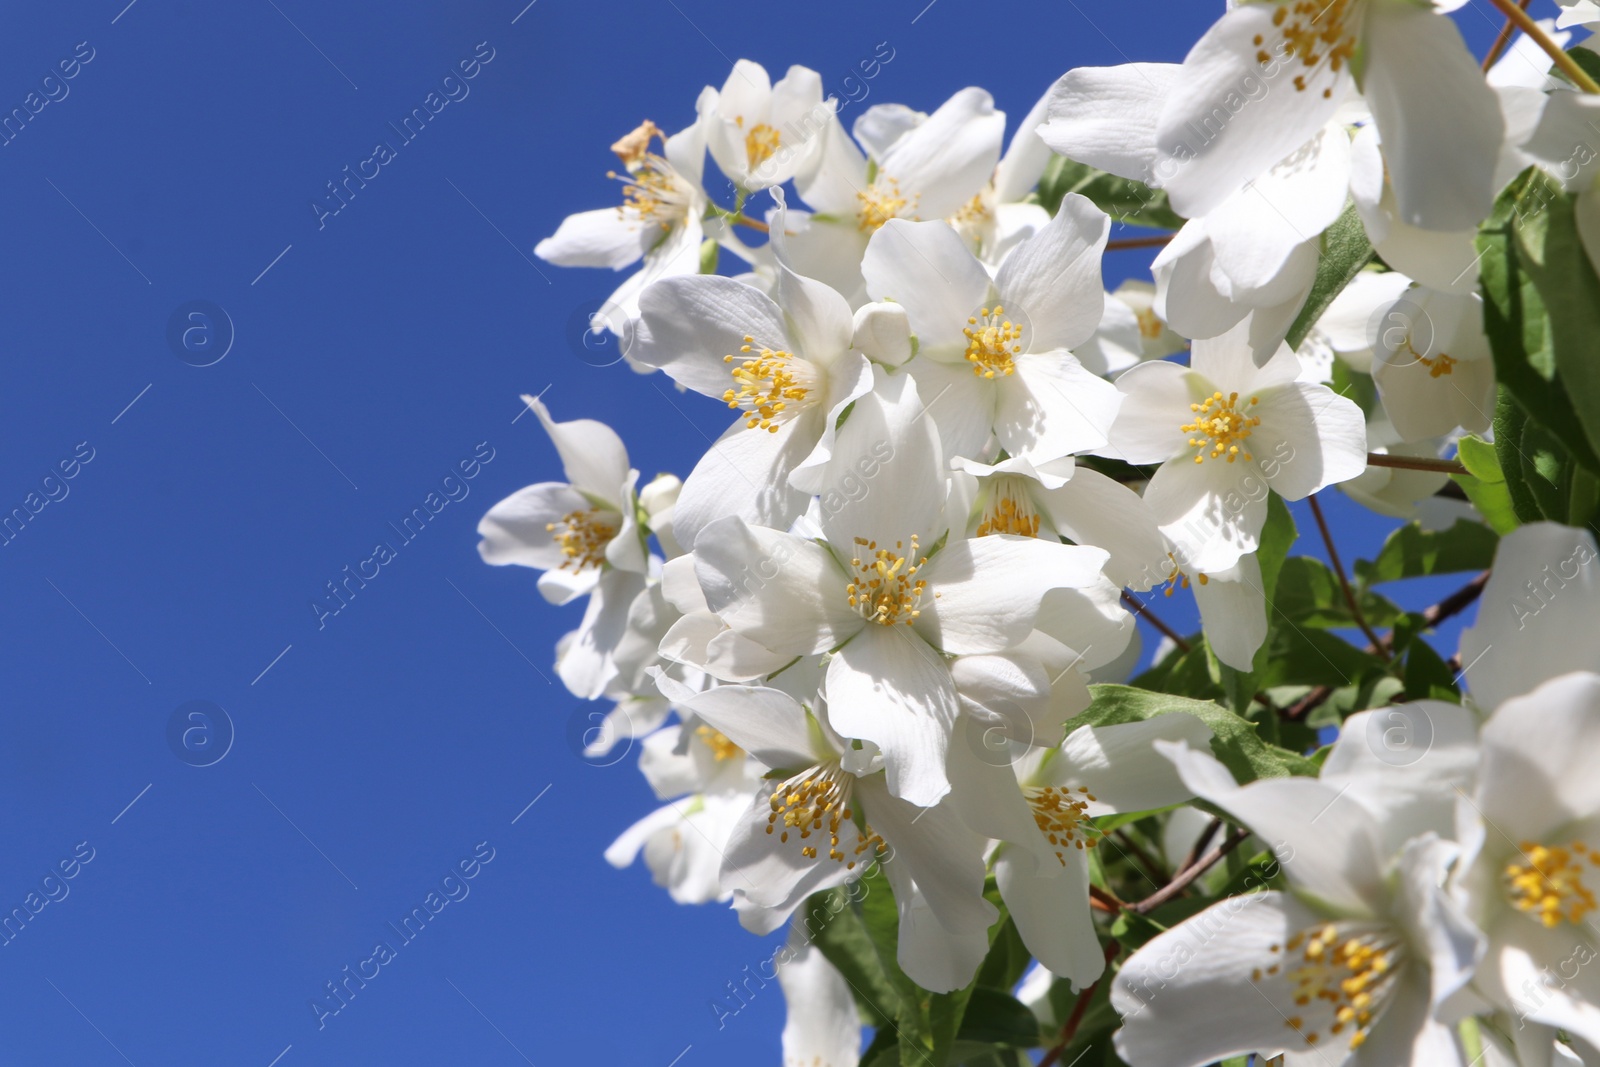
column 1318, row 33
column 992, row 343
column 880, row 202
column 884, row 587
column 652, row 192
column 760, row 142
column 1061, row 814
column 1010, row 510
column 765, row 382
column 1344, row 974
column 1548, row 885
column 1219, row 426
column 583, row 537
column 815, row 803
column 718, row 742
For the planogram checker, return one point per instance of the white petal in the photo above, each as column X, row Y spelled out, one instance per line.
column 1537, row 749
column 1106, row 116
column 927, row 268
column 1233, row 609
column 516, row 529
column 1053, row 278
column 784, row 592
column 885, row 481
column 1100, row 512
column 1440, row 122
column 1310, row 437
column 1156, row 399
column 821, row 1027
column 1327, row 845
column 945, row 160
column 1052, row 407
column 606, row 237
column 746, row 474
column 1211, row 511
column 1169, row 992
column 1121, row 767
column 1052, row 914
column 693, row 323
column 769, row 725
column 595, row 458
column 984, row 593
column 1228, row 122
column 960, row 404
column 1535, row 618
column 585, row 665
column 888, row 687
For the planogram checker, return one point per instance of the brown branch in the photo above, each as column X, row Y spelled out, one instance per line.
column 755, row 224
column 1140, row 608
column 1139, row 242
column 1200, row 843
column 1504, row 39
column 1070, row 1028
column 1101, row 900
column 1184, row 878
column 1344, row 581
column 1415, row 463
column 1449, row 607
column 1568, row 65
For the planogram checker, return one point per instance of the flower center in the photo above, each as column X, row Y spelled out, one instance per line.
column 992, row 342
column 1010, row 510
column 717, row 741
column 1150, row 325
column 583, row 536
column 818, row 801
column 885, row 588
column 1063, row 818
column 1219, row 425
column 652, row 191
column 1549, row 885
column 1346, row 969
column 759, row 143
column 880, row 202
column 765, row 380
column 1178, row 578
column 1438, row 365
column 1316, row 32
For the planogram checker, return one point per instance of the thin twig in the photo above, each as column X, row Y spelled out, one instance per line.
column 742, row 219
column 1568, row 65
column 1504, row 39
column 1139, row 242
column 1184, row 878
column 1140, row 608
column 1200, row 843
column 1415, row 463
column 1344, row 580
column 1104, row 901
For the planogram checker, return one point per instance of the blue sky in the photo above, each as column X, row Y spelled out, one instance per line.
column 373, row 351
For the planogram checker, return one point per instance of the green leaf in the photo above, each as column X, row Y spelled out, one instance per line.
column 1515, row 272
column 1549, row 243
column 1008, row 957
column 1124, row 199
column 1184, row 673
column 1546, row 471
column 1309, row 595
column 1412, row 552
column 1485, row 484
column 995, row 1017
column 1234, row 740
column 1302, row 656
column 884, row 1050
column 1427, row 674
column 841, row 935
column 1345, row 251
column 1354, row 385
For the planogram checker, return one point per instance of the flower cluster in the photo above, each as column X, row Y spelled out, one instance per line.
column 866, row 641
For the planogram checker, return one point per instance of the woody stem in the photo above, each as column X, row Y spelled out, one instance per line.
column 1566, row 63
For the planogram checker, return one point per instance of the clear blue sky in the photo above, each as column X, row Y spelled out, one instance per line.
column 369, row 359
